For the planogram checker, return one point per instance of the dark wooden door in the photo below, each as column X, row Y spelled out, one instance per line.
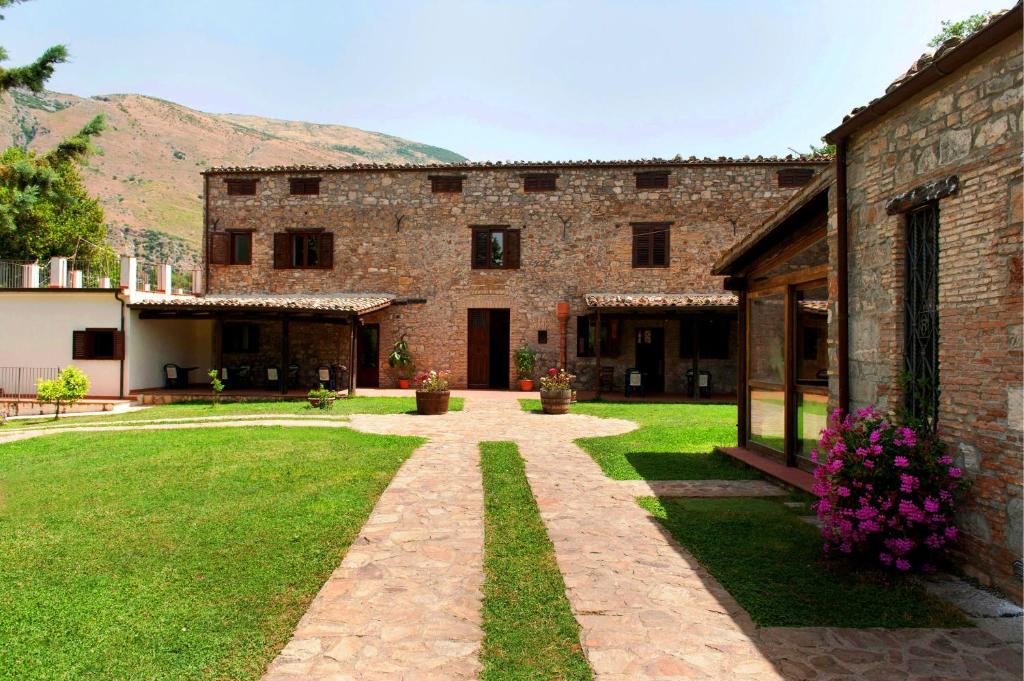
column 650, row 357
column 488, row 351
column 368, row 356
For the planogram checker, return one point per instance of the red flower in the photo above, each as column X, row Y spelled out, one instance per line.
column 552, row 371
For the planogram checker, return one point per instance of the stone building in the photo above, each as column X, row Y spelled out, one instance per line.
column 477, row 259
column 913, row 244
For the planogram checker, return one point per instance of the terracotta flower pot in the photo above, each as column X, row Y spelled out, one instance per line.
column 432, row 404
column 555, row 401
column 403, row 383
column 526, row 384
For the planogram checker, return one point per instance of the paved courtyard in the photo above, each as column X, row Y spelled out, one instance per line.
column 405, row 601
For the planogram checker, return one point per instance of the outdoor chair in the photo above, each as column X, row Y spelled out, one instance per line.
column 325, row 376
column 634, row 382
column 340, row 376
column 702, row 387
column 173, row 376
column 225, row 376
column 273, row 378
column 292, row 376
column 607, row 379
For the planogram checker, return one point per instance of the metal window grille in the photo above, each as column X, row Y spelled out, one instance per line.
column 921, row 348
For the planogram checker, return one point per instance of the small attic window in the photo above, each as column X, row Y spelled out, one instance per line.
column 539, row 183
column 795, row 177
column 440, row 184
column 238, row 186
column 653, row 179
column 304, row 186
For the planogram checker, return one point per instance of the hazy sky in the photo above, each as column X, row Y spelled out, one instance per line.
column 503, row 80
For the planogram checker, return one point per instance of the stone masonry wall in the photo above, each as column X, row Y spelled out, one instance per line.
column 575, row 240
column 969, row 124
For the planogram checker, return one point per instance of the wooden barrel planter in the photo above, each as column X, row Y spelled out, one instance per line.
column 432, row 404
column 556, row 401
column 315, row 401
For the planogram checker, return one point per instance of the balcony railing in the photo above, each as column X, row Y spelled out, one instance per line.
column 20, row 382
column 12, row 275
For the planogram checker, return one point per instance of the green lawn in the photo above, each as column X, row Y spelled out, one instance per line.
column 175, row 555
column 674, row 441
column 529, row 629
column 183, row 410
column 772, row 564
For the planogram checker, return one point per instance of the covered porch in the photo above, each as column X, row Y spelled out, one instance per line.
column 667, row 346
column 281, row 345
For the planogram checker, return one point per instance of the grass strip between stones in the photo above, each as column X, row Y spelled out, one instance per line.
column 529, row 628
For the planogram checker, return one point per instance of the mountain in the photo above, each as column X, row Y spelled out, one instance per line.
column 147, row 174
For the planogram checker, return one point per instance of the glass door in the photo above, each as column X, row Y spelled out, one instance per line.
column 809, row 366
column 766, row 369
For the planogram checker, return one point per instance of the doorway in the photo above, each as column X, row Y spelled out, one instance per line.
column 368, row 356
column 650, row 358
column 488, row 356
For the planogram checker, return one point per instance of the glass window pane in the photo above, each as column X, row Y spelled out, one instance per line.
column 497, row 249
column 298, row 245
column 812, row 336
column 811, row 418
column 243, row 248
column 768, row 418
column 311, row 251
column 768, row 338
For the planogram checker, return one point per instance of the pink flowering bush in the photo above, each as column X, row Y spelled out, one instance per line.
column 886, row 493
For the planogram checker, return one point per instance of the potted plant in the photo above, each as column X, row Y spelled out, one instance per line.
column 321, row 398
column 401, row 359
column 526, row 361
column 556, row 391
column 432, row 393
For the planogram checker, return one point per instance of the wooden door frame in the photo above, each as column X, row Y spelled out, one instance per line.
column 661, row 330
column 359, row 331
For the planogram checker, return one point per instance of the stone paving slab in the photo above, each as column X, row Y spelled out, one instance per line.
column 702, row 488
column 405, row 601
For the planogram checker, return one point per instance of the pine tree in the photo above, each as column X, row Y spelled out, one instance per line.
column 34, row 75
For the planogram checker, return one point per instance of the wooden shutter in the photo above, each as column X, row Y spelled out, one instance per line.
column 641, row 246
column 325, row 250
column 652, row 180
column 282, row 250
column 118, row 344
column 512, row 249
column 219, row 248
column 659, row 246
column 795, row 177
column 79, row 345
column 481, row 245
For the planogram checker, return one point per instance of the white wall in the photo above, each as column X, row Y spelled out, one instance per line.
column 152, row 343
column 36, row 328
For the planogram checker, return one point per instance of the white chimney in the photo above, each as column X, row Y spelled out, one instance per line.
column 197, row 282
column 30, row 275
column 129, row 272
column 58, row 272
column 75, row 279
column 163, row 278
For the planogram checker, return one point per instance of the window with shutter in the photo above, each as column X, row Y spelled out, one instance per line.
column 795, row 177
column 97, row 344
column 241, row 186
column 325, row 249
column 651, row 244
column 305, row 250
column 540, row 183
column 655, row 179
column 445, row 185
column 241, row 248
column 282, row 250
column 304, row 186
column 219, row 248
column 495, row 248
column 586, row 337
column 241, row 338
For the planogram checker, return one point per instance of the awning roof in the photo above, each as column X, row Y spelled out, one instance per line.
column 354, row 303
column 660, row 300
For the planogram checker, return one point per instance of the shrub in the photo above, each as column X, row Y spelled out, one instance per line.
column 69, row 387
column 324, row 398
column 555, row 380
column 526, row 361
column 887, row 493
column 401, row 359
column 216, row 385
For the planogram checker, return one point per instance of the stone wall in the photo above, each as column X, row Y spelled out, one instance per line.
column 392, row 235
column 967, row 125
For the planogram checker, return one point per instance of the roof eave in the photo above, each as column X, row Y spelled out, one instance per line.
column 989, row 36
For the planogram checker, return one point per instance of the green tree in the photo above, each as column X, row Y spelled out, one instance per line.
column 34, row 75
column 69, row 387
column 959, row 29
column 45, row 209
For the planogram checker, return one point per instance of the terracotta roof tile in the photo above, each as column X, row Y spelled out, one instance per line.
column 339, row 302
column 660, row 300
column 529, row 165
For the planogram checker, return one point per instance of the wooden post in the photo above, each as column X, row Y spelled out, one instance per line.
column 698, row 323
column 353, row 321
column 597, row 353
column 282, row 377
column 741, row 369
